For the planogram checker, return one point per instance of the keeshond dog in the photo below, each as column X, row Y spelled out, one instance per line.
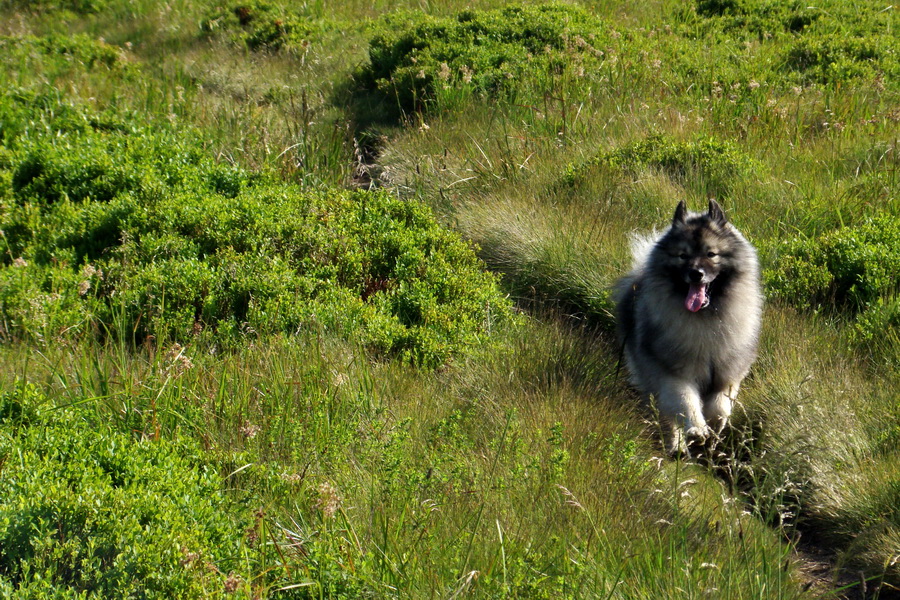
column 689, row 316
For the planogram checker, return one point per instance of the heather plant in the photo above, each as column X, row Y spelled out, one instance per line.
column 81, row 50
column 414, row 57
column 96, row 512
column 133, row 233
column 831, row 43
column 261, row 25
column 850, row 269
column 711, row 166
column 164, row 177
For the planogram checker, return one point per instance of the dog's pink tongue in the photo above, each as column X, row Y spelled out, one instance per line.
column 696, row 297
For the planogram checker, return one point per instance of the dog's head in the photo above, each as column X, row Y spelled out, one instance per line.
column 697, row 247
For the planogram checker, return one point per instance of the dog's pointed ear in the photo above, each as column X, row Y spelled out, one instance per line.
column 716, row 214
column 680, row 212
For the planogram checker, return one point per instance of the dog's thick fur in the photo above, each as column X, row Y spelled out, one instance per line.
column 689, row 316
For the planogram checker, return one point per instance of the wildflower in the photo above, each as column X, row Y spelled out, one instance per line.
column 420, row 74
column 466, row 73
column 328, row 502
column 232, row 583
column 178, row 361
column 753, row 84
column 83, row 287
column 444, row 73
column 656, row 64
column 188, row 558
column 249, row 430
column 20, row 262
column 292, row 478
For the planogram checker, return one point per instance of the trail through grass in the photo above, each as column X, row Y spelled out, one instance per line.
column 320, row 457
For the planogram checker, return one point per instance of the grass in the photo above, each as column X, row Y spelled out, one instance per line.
column 522, row 466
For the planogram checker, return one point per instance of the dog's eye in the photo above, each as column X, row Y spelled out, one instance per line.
column 683, row 256
column 711, row 254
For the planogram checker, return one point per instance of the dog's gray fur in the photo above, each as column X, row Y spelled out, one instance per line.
column 689, row 316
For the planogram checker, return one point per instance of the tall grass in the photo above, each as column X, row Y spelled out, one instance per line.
column 522, row 474
column 527, row 468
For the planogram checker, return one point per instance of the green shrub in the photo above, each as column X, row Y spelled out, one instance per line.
column 879, row 322
column 88, row 512
column 261, row 25
column 848, row 268
column 713, row 164
column 87, row 52
column 853, row 270
column 831, row 60
column 762, row 19
column 138, row 233
column 84, row 7
column 413, row 55
column 831, row 43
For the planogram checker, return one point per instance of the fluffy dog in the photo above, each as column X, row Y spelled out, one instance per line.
column 689, row 317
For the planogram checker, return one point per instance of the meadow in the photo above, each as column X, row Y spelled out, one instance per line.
column 312, row 300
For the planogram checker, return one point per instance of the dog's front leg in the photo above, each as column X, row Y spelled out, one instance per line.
column 681, row 412
column 717, row 408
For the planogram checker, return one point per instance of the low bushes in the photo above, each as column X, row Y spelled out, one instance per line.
column 715, row 164
column 94, row 512
column 853, row 269
column 259, row 25
column 134, row 232
column 848, row 268
column 413, row 56
column 742, row 51
column 830, row 43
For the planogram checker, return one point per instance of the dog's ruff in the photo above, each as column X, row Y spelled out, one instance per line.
column 689, row 316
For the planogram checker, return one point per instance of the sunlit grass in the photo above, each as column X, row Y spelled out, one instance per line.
column 527, row 469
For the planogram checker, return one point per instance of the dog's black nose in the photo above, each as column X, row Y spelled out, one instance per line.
column 695, row 275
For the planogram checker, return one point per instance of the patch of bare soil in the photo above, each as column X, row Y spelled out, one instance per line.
column 818, row 568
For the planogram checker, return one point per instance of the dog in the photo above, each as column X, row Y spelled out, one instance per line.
column 689, row 315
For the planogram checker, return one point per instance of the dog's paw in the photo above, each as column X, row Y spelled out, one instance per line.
column 685, row 438
column 697, row 435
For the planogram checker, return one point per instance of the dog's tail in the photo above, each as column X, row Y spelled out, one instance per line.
column 641, row 244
